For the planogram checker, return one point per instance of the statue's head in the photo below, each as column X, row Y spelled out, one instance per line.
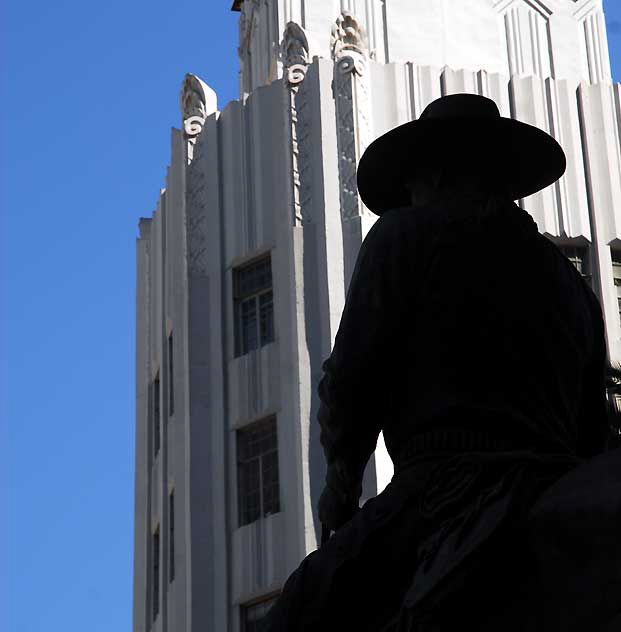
column 460, row 146
column 479, row 180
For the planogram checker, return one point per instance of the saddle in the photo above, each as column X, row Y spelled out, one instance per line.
column 574, row 531
column 551, row 564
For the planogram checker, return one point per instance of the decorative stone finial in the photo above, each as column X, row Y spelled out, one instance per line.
column 198, row 101
column 348, row 37
column 294, row 52
column 350, row 51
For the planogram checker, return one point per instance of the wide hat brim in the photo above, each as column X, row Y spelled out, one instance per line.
column 528, row 158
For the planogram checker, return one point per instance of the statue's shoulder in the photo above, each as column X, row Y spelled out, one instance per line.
column 391, row 226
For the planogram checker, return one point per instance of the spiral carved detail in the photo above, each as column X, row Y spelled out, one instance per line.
column 351, row 63
column 296, row 74
column 193, row 125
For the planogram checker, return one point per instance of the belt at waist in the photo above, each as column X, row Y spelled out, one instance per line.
column 452, row 441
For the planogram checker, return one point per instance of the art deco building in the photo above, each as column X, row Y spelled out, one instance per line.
column 243, row 267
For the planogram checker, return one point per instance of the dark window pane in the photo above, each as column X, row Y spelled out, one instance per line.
column 254, row 317
column 249, row 335
column 249, row 491
column 257, row 467
column 266, row 310
column 270, row 484
column 253, row 278
column 264, row 276
column 270, row 468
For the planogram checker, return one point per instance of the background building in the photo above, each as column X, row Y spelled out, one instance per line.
column 242, row 269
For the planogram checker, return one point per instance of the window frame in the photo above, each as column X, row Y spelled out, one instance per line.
column 249, row 293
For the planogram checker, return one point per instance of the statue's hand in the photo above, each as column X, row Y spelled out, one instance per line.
column 334, row 510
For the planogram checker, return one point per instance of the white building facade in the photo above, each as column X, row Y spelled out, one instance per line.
column 242, row 269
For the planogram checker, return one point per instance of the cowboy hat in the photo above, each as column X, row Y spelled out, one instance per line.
column 459, row 129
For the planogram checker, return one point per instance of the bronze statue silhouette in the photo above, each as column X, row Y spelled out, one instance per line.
column 479, row 351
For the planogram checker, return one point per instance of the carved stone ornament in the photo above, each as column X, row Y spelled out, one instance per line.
column 349, row 39
column 294, row 52
column 353, row 106
column 198, row 101
column 351, row 63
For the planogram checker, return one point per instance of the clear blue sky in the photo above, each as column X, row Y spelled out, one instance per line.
column 89, row 94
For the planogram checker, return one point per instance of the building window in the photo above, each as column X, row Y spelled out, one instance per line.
column 171, row 536
column 578, row 256
column 257, row 471
column 254, row 308
column 252, row 614
column 171, row 380
column 156, row 573
column 157, row 430
column 616, row 273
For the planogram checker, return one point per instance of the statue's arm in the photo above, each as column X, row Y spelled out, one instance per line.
column 351, row 391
